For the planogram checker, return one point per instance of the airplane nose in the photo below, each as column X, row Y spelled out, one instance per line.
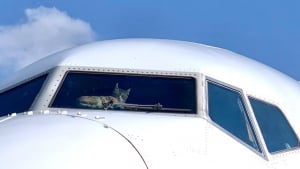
column 60, row 141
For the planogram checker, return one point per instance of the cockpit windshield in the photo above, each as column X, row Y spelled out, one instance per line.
column 147, row 93
column 21, row 97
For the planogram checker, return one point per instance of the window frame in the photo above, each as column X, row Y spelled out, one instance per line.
column 277, row 106
column 248, row 111
column 252, row 118
column 27, row 81
column 132, row 72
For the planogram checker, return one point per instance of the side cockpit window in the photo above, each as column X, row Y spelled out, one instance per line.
column 127, row 92
column 227, row 109
column 275, row 128
column 20, row 98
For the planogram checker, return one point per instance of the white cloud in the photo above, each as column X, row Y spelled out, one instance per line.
column 45, row 31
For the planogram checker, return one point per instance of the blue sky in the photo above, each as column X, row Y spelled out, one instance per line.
column 267, row 31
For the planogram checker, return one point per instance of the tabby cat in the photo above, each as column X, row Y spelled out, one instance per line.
column 119, row 97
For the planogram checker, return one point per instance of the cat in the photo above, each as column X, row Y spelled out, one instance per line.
column 119, row 97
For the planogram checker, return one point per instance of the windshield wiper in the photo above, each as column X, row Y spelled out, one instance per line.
column 154, row 107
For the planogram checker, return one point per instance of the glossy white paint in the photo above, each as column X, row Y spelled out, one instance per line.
column 87, row 140
column 61, row 141
column 163, row 140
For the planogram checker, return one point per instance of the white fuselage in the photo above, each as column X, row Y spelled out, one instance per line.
column 52, row 134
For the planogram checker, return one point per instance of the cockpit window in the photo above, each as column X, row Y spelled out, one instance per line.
column 227, row 109
column 20, row 98
column 127, row 92
column 275, row 128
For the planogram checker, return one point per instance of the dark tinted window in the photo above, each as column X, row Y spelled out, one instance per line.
column 20, row 98
column 127, row 92
column 227, row 109
column 276, row 130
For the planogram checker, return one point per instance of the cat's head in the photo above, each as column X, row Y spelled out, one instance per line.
column 121, row 94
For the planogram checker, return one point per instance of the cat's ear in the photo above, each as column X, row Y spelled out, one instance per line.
column 128, row 90
column 117, row 86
